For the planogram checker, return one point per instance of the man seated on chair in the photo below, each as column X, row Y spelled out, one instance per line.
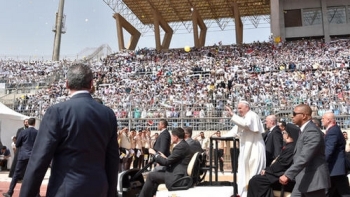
column 264, row 183
column 175, row 164
column 4, row 157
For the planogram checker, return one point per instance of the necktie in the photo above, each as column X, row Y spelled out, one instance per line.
column 267, row 136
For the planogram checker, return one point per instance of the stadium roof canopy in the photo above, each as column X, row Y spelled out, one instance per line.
column 180, row 10
column 141, row 16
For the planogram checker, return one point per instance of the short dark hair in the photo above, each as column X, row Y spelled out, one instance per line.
column 98, row 100
column 31, row 121
column 283, row 123
column 79, row 77
column 179, row 132
column 316, row 121
column 3, row 147
column 164, row 122
column 188, row 130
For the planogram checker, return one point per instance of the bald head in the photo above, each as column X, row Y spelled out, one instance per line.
column 328, row 119
column 271, row 121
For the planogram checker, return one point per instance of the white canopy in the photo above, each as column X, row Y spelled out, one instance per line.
column 10, row 121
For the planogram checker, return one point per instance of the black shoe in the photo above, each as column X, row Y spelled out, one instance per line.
column 6, row 195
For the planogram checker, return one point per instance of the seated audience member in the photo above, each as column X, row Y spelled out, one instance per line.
column 4, row 156
column 263, row 183
column 175, row 164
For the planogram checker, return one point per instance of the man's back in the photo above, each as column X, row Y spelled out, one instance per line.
column 162, row 143
column 195, row 146
column 80, row 136
column 25, row 142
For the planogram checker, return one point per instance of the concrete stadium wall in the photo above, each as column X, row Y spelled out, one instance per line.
column 324, row 29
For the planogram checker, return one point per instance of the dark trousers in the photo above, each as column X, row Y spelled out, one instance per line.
column 125, row 163
column 151, row 184
column 14, row 162
column 317, row 193
column 137, row 160
column 220, row 154
column 259, row 186
column 18, row 174
column 3, row 164
column 339, row 187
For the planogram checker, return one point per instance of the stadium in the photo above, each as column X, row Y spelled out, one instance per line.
column 306, row 61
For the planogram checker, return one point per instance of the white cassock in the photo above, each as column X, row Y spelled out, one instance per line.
column 252, row 157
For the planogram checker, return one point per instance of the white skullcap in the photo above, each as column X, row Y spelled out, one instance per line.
column 245, row 102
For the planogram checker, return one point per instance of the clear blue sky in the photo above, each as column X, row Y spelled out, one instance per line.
column 26, row 29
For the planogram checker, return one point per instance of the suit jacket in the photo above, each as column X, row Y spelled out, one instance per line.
column 335, row 151
column 79, row 136
column 282, row 163
column 25, row 141
column 195, row 146
column 19, row 130
column 273, row 144
column 162, row 143
column 14, row 162
column 176, row 164
column 309, row 168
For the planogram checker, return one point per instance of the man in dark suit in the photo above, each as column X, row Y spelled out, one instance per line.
column 309, row 168
column 261, row 184
column 273, row 139
column 25, row 141
column 162, row 143
column 335, row 157
column 13, row 165
column 195, row 146
column 176, row 164
column 79, row 136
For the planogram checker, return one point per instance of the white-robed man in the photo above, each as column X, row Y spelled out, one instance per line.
column 248, row 128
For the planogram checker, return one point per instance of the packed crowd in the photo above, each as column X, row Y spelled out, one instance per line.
column 199, row 83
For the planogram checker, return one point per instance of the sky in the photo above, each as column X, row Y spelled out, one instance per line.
column 26, row 29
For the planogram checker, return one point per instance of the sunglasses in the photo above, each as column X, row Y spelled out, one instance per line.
column 295, row 113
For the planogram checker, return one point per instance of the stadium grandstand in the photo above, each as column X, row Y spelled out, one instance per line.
column 191, row 88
